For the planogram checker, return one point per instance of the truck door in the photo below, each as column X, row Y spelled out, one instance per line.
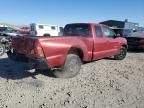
column 112, row 43
column 100, row 44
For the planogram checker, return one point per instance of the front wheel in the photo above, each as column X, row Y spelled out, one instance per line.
column 2, row 49
column 71, row 67
column 122, row 54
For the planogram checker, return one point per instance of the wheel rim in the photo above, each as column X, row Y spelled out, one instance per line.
column 70, row 69
column 122, row 53
column 1, row 50
column 73, row 66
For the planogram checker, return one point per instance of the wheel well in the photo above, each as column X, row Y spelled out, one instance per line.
column 76, row 51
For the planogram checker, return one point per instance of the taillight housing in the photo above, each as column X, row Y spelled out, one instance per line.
column 37, row 51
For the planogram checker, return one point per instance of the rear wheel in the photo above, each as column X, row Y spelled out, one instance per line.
column 2, row 49
column 71, row 67
column 122, row 54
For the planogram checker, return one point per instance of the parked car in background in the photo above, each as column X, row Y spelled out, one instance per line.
column 81, row 42
column 123, row 32
column 45, row 30
column 10, row 31
column 135, row 39
column 6, row 35
column 5, row 43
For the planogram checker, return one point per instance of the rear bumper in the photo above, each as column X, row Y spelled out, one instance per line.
column 32, row 63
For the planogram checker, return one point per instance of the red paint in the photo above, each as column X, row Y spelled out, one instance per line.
column 55, row 49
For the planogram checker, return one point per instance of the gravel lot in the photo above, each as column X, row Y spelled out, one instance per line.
column 102, row 84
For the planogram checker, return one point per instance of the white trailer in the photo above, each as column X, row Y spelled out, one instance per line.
column 45, row 30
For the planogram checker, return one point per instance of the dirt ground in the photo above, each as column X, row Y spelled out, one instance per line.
column 101, row 84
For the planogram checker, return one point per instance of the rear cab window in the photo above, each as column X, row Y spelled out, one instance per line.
column 77, row 30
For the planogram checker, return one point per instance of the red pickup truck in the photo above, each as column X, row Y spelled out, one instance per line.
column 81, row 42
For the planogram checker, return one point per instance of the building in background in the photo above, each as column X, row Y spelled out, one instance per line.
column 121, row 24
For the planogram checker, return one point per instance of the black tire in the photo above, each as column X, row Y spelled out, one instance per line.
column 2, row 49
column 71, row 67
column 122, row 54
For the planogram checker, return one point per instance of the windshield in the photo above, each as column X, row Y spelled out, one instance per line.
column 3, row 34
column 8, row 30
column 2, row 29
column 77, row 30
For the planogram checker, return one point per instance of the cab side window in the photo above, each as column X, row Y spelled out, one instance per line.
column 108, row 32
column 98, row 31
